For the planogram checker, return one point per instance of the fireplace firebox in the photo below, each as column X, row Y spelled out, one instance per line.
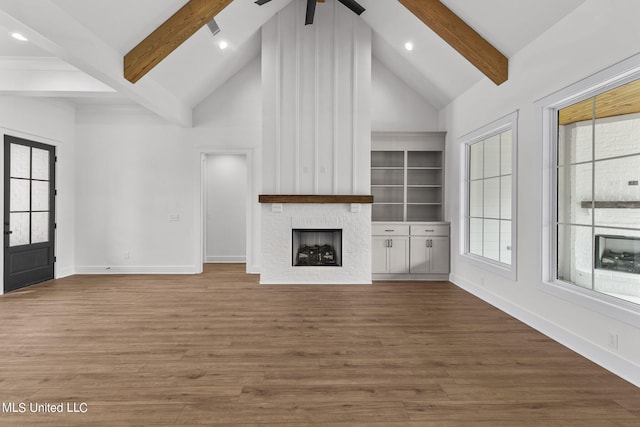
column 316, row 248
column 618, row 253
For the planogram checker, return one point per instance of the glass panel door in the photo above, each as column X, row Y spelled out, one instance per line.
column 29, row 216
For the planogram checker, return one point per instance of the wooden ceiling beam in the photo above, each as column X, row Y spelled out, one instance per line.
column 460, row 36
column 168, row 36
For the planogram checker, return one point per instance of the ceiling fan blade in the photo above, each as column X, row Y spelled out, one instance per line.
column 311, row 11
column 261, row 2
column 353, row 5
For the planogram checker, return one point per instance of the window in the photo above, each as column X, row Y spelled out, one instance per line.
column 489, row 196
column 597, row 214
column 591, row 211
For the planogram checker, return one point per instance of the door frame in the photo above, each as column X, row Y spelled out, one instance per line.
column 42, row 140
column 201, row 211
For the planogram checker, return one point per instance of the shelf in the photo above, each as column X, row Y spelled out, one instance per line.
column 407, row 184
column 424, row 177
column 387, row 177
column 424, row 212
column 424, row 159
column 387, row 159
column 387, row 212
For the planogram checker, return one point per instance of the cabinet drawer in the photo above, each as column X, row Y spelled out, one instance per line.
column 389, row 230
column 429, row 230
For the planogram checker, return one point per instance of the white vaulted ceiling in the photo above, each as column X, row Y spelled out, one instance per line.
column 85, row 41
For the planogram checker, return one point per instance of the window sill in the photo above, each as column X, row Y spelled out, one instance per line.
column 508, row 272
column 601, row 303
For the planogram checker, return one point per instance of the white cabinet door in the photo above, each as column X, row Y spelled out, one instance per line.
column 379, row 259
column 399, row 255
column 439, row 255
column 419, row 258
column 429, row 255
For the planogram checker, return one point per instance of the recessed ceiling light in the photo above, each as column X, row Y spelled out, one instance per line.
column 20, row 37
column 408, row 46
column 223, row 45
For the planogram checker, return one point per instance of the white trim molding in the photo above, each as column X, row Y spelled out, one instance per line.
column 253, row 208
column 227, row 259
column 608, row 360
column 546, row 110
column 508, row 122
column 137, row 269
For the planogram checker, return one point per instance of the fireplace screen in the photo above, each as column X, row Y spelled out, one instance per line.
column 619, row 253
column 317, row 247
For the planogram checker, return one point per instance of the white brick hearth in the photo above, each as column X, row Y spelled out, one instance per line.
column 278, row 220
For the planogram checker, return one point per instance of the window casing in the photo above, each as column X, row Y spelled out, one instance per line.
column 489, row 197
column 569, row 223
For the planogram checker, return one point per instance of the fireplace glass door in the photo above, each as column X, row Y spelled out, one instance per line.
column 316, row 248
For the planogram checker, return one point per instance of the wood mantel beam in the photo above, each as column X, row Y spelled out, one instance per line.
column 460, row 36
column 315, row 198
column 168, row 36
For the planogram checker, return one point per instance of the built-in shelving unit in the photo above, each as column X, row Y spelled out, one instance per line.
column 409, row 239
column 407, row 176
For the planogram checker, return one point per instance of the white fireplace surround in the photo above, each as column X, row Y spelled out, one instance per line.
column 278, row 221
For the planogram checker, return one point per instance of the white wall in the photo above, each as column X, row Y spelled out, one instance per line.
column 395, row 106
column 137, row 174
column 593, row 37
column 226, row 212
column 52, row 123
column 135, row 195
column 316, row 102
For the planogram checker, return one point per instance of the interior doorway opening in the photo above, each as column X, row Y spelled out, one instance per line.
column 226, row 192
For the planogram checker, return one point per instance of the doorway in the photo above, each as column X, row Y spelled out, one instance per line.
column 226, row 192
column 29, row 212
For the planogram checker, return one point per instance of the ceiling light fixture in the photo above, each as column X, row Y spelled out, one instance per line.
column 408, row 46
column 223, row 45
column 20, row 37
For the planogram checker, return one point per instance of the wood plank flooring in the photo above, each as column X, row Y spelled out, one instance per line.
column 219, row 349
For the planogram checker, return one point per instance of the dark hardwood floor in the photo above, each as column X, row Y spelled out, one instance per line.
column 218, row 348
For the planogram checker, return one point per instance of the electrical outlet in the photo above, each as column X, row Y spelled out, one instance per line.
column 127, row 255
column 633, row 182
column 174, row 218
